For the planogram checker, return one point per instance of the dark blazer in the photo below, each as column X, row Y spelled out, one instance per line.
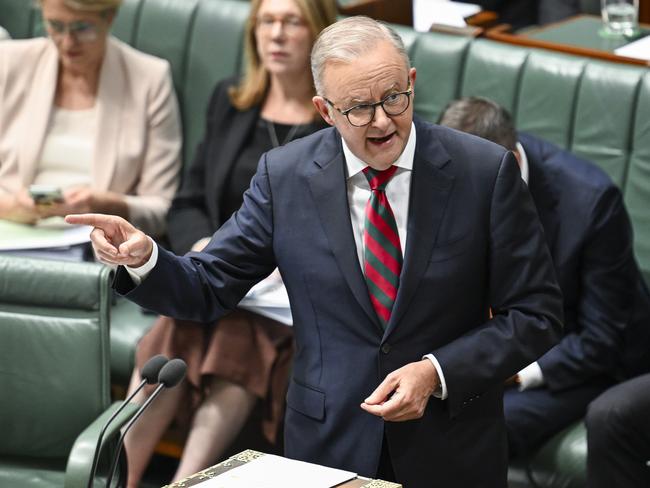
column 195, row 213
column 474, row 243
column 606, row 302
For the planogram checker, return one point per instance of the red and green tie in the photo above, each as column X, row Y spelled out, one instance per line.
column 382, row 251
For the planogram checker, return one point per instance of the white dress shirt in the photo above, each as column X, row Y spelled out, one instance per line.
column 398, row 191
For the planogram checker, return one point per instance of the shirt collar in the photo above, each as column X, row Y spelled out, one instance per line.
column 405, row 160
column 523, row 163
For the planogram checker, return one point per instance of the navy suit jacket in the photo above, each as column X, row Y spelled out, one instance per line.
column 474, row 243
column 606, row 302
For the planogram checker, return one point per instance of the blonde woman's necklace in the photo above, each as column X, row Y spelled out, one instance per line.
column 270, row 126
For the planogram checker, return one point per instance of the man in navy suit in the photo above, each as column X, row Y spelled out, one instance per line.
column 406, row 385
column 606, row 303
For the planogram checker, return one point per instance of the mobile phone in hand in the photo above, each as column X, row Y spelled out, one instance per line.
column 46, row 194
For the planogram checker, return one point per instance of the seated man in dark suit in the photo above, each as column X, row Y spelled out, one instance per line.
column 606, row 303
column 618, row 436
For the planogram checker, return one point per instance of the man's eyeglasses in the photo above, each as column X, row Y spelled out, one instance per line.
column 82, row 31
column 362, row 114
column 289, row 24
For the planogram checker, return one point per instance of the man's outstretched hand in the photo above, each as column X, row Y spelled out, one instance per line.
column 115, row 240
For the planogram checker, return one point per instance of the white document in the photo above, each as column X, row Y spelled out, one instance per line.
column 269, row 298
column 427, row 12
column 49, row 233
column 271, row 471
column 639, row 49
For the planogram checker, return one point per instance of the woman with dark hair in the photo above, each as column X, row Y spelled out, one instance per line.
column 244, row 358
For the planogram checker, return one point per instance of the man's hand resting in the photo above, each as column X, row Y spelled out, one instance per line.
column 115, row 241
column 404, row 394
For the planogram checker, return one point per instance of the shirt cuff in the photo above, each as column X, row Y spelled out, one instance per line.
column 140, row 273
column 531, row 377
column 442, row 393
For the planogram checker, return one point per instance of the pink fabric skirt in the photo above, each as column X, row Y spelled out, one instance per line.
column 243, row 347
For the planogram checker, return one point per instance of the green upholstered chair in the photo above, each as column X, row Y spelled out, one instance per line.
column 54, row 371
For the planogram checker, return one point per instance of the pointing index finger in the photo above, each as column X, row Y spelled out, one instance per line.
column 94, row 220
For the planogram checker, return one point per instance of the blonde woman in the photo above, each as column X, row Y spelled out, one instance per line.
column 244, row 359
column 88, row 115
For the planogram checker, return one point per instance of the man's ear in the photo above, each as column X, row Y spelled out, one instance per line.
column 323, row 109
column 412, row 76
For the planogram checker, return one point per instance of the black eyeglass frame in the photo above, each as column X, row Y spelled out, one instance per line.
column 408, row 92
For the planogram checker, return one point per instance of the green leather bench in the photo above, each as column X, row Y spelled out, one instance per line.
column 596, row 109
column 54, row 371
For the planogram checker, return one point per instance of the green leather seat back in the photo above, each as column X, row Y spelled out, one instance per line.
column 494, row 70
column 163, row 30
column 439, row 60
column 550, row 117
column 17, row 16
column 126, row 21
column 54, row 344
column 214, row 52
column 637, row 185
column 604, row 116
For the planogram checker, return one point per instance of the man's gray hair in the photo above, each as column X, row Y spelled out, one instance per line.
column 481, row 117
column 349, row 39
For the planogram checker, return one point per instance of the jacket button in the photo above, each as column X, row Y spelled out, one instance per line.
column 385, row 348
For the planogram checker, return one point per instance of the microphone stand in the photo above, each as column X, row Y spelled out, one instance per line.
column 93, row 468
column 120, row 442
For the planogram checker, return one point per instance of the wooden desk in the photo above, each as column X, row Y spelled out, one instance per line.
column 393, row 11
column 576, row 35
column 249, row 455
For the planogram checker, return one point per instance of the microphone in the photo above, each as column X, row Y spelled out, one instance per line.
column 149, row 374
column 170, row 375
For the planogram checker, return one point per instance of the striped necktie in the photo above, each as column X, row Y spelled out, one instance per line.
column 382, row 256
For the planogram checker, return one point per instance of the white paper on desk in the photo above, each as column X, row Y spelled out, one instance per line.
column 270, row 299
column 46, row 234
column 271, row 471
column 639, row 49
column 427, row 12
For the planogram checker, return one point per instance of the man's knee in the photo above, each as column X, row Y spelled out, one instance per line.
column 607, row 416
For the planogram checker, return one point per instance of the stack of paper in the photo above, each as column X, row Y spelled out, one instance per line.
column 269, row 471
column 428, row 12
column 47, row 234
column 638, row 49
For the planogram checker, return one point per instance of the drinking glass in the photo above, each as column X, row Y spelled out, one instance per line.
column 620, row 17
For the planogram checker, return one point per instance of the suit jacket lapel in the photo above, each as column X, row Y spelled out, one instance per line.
column 430, row 190
column 111, row 96
column 329, row 189
column 39, row 107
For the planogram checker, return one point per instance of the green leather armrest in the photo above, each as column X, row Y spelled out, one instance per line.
column 562, row 461
column 77, row 471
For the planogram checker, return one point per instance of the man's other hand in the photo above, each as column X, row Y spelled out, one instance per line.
column 115, row 241
column 405, row 392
